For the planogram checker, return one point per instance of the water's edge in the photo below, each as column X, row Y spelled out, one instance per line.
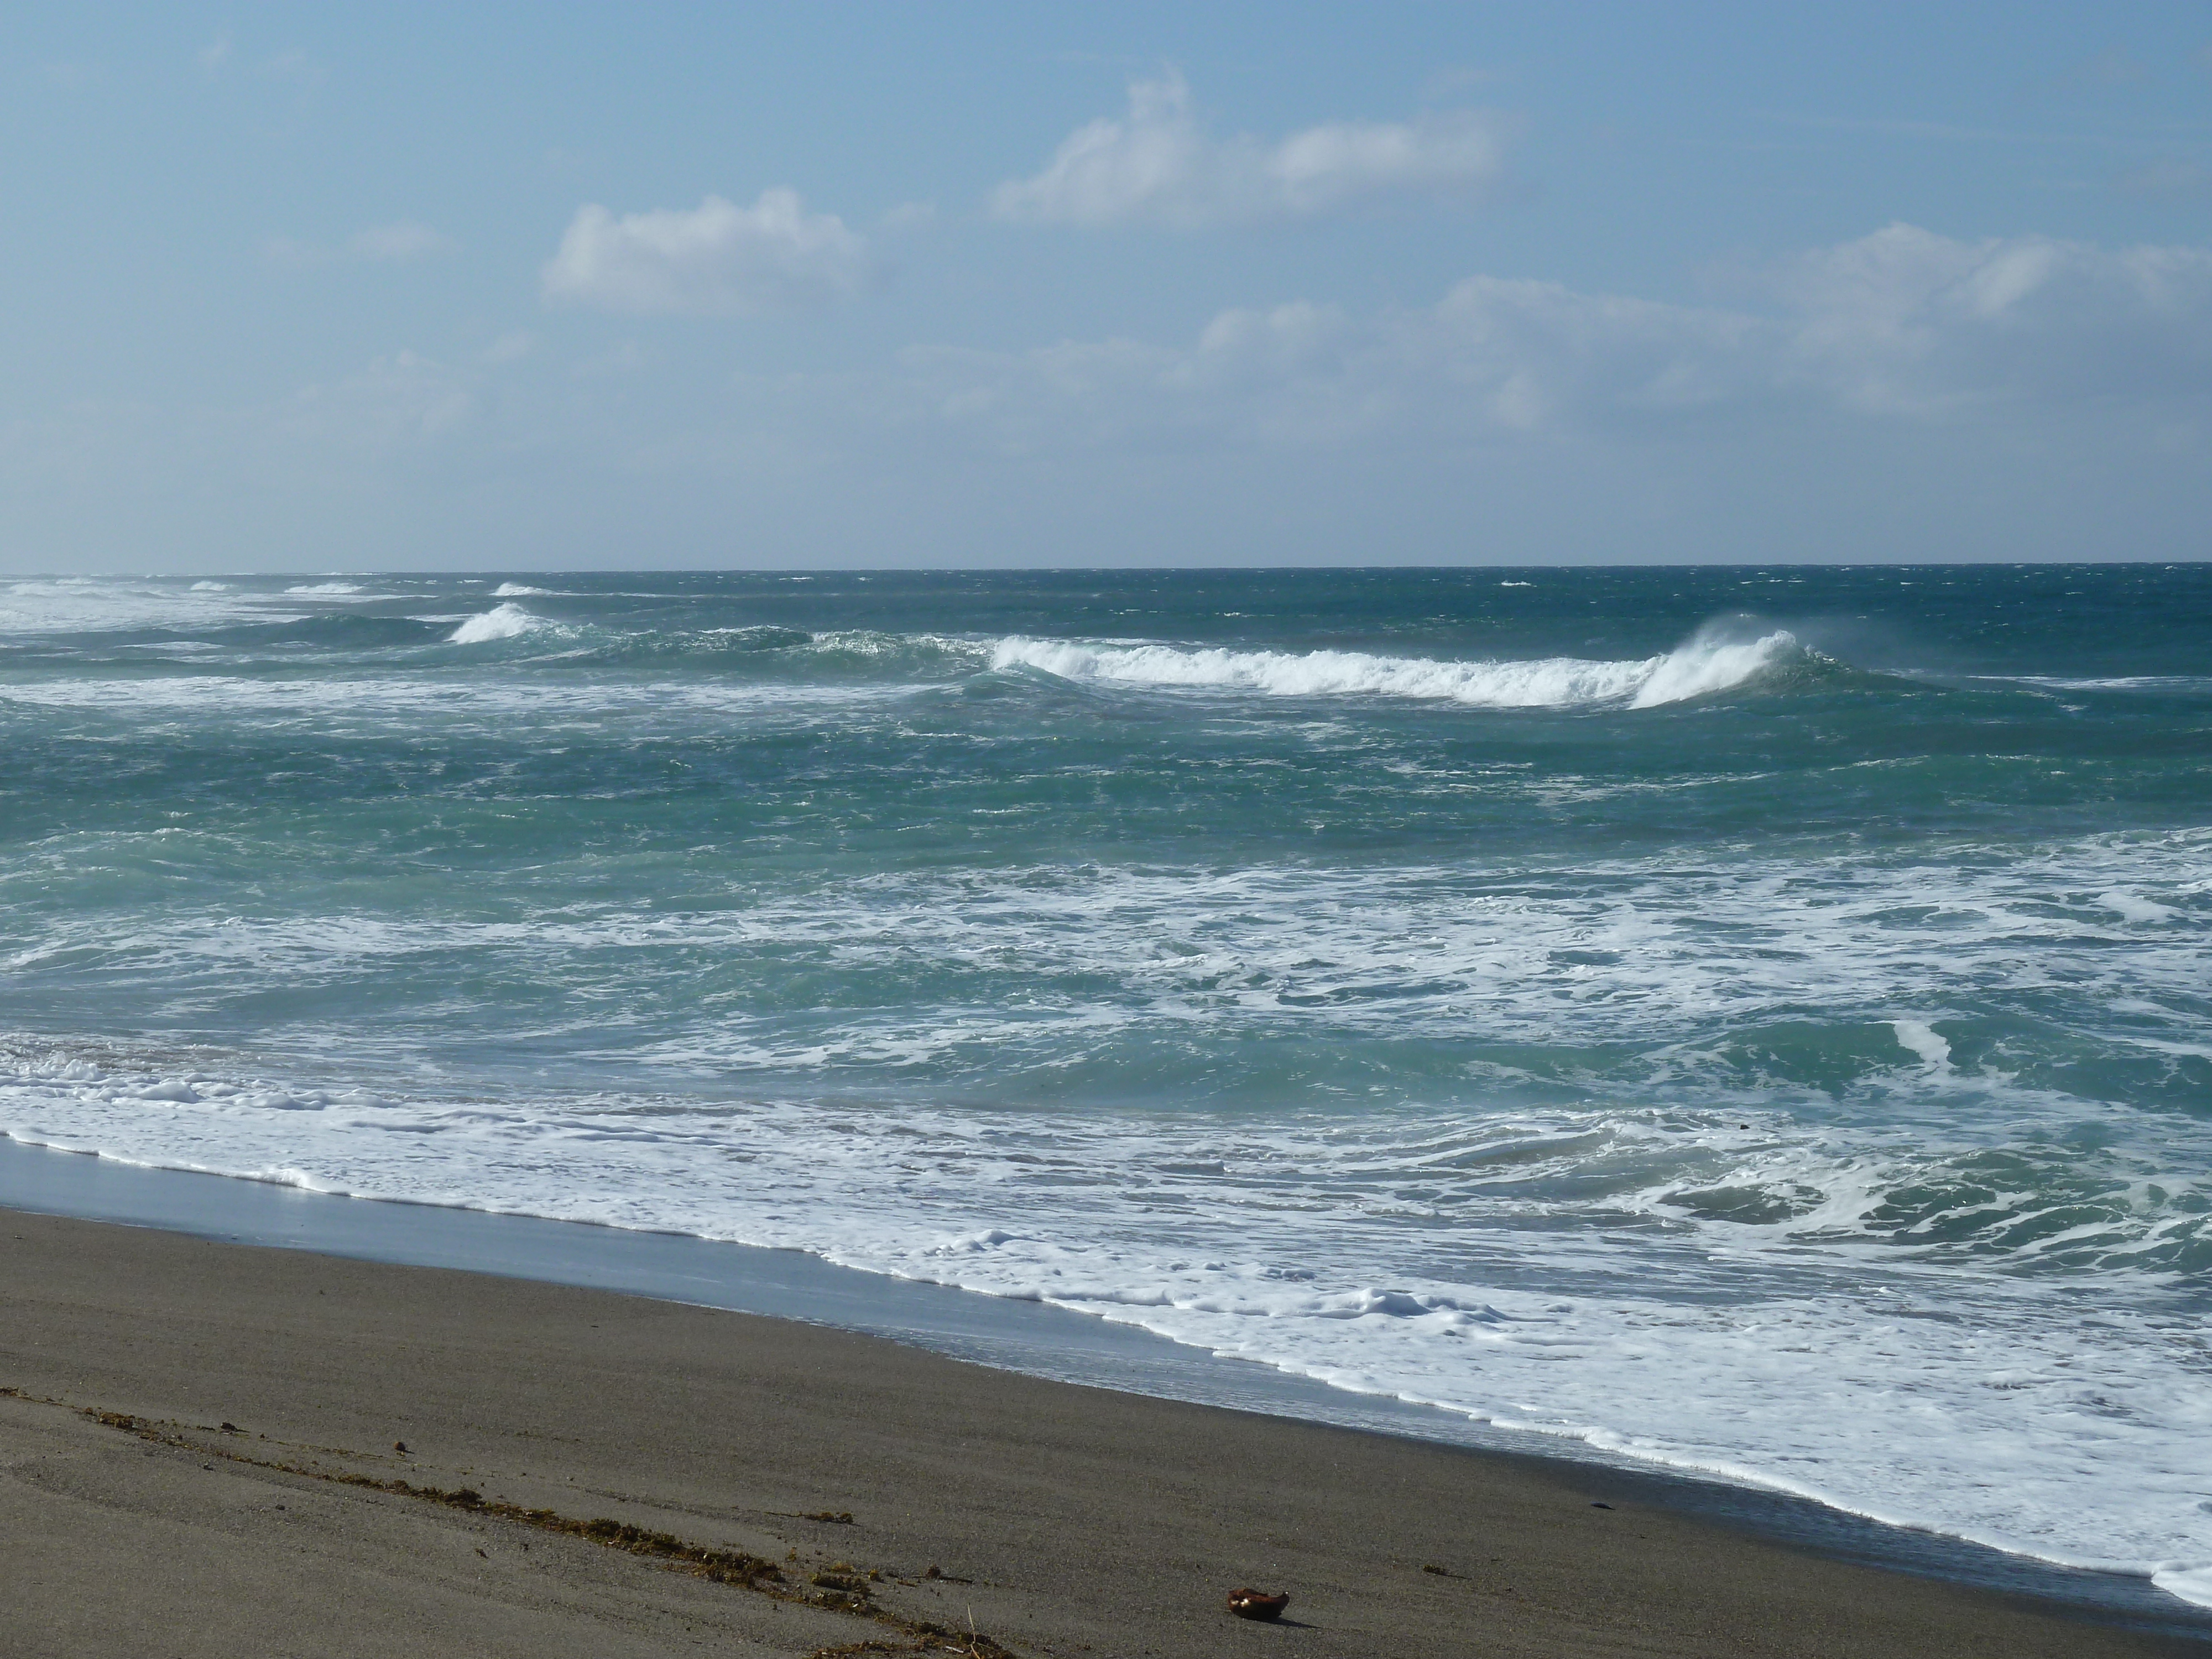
column 1031, row 1338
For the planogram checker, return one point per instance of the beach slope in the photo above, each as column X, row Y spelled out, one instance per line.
column 202, row 1454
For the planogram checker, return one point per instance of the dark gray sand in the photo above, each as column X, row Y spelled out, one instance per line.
column 1088, row 1521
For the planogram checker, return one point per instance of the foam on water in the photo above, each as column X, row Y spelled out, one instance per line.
column 462, row 710
column 1704, row 666
column 1921, row 1038
column 1894, row 1263
column 2023, row 1407
column 506, row 622
column 1342, row 972
column 49, row 605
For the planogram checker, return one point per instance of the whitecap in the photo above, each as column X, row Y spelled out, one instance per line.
column 506, row 622
column 2133, row 907
column 1920, row 1038
column 1706, row 664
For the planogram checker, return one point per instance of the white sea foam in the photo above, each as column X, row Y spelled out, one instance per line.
column 1921, row 1038
column 1707, row 664
column 2184, row 683
column 1685, row 971
column 1852, row 1268
column 343, row 706
column 2133, row 906
column 521, row 591
column 79, row 604
column 1989, row 1407
column 506, row 622
column 333, row 590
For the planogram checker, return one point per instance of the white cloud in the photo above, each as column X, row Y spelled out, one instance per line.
column 1900, row 395
column 1909, row 322
column 717, row 259
column 1157, row 165
column 1492, row 359
column 1902, row 325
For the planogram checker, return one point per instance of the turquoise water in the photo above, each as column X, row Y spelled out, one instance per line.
column 1750, row 1021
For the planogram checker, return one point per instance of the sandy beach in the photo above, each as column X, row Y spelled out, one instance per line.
column 201, row 1452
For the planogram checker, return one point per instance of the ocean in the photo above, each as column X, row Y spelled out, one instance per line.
column 1749, row 1021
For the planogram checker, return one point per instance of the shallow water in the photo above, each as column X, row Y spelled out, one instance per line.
column 1753, row 1022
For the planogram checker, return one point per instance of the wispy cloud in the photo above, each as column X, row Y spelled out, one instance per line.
column 292, row 64
column 1906, row 321
column 396, row 243
column 405, row 239
column 397, row 402
column 1924, row 395
column 716, row 260
column 1900, row 325
column 1158, row 165
column 510, row 347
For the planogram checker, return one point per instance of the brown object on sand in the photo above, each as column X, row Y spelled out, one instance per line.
column 1248, row 1603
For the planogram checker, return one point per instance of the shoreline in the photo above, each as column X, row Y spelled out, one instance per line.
column 1056, row 1346
column 221, row 1448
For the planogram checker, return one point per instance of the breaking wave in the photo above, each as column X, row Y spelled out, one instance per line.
column 1707, row 664
column 506, row 622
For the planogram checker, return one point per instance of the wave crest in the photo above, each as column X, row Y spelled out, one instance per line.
column 1706, row 663
column 505, row 622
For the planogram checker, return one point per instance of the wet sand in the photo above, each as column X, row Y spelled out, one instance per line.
column 1061, row 1520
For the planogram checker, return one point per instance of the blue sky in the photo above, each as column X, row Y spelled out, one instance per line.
column 507, row 287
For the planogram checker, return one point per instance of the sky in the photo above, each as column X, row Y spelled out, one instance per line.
column 501, row 287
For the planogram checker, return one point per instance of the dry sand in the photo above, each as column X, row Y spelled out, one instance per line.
column 1088, row 1522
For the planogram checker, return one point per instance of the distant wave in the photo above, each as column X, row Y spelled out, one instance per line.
column 520, row 590
column 765, row 649
column 47, row 605
column 2189, row 684
column 1706, row 663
